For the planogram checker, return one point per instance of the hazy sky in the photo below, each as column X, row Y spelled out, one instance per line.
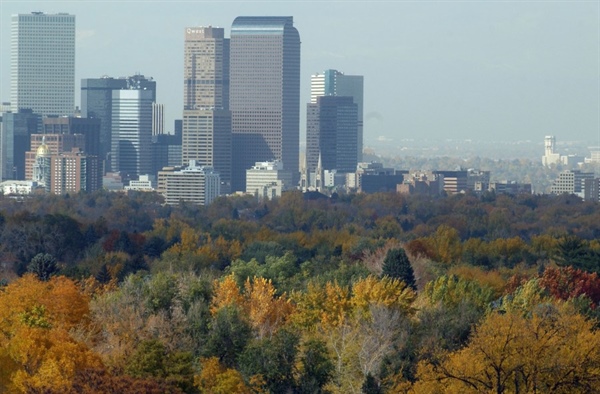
column 436, row 70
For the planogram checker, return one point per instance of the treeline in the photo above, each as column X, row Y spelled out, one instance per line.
column 377, row 293
column 81, row 231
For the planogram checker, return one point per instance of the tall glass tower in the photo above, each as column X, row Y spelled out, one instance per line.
column 43, row 63
column 264, row 94
column 335, row 83
column 206, row 136
column 132, row 132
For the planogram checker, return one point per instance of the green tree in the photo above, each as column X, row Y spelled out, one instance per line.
column 228, row 336
column 273, row 359
column 317, row 368
column 396, row 265
column 43, row 265
column 371, row 386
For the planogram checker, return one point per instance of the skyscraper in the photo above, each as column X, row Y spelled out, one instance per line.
column 96, row 102
column 132, row 132
column 43, row 63
column 206, row 134
column 335, row 83
column 15, row 136
column 331, row 135
column 264, row 94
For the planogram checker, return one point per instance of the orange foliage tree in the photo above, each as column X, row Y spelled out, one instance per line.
column 36, row 348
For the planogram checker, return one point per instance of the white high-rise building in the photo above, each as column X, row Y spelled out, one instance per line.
column 158, row 118
column 195, row 183
column 335, row 83
column 43, row 63
column 550, row 155
column 132, row 132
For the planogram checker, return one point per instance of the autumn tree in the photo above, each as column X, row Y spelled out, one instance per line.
column 553, row 350
column 37, row 349
column 215, row 378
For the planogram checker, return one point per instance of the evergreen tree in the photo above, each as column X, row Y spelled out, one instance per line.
column 396, row 265
column 370, row 386
column 43, row 265
column 103, row 276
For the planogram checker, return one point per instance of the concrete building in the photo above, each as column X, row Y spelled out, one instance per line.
column 206, row 116
column 96, row 102
column 195, row 184
column 16, row 129
column 550, row 155
column 74, row 171
column 88, row 127
column 112, row 181
column 454, row 181
column 373, row 177
column 55, row 144
column 331, row 134
column 428, row 184
column 132, row 132
column 571, row 182
column 145, row 183
column 264, row 94
column 591, row 189
column 14, row 187
column 268, row 179
column 513, row 188
column 158, row 119
column 335, row 83
column 43, row 63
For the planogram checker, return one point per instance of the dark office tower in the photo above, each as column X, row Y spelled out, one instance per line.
column 96, row 102
column 206, row 134
column 335, row 83
column 331, row 126
column 15, row 135
column 43, row 63
column 264, row 94
column 89, row 128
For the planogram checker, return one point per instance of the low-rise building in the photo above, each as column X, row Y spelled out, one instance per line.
column 267, row 179
column 571, row 182
column 195, row 184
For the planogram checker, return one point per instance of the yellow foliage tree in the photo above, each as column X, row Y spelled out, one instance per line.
column 553, row 351
column 266, row 311
column 387, row 292
column 217, row 379
column 36, row 349
column 226, row 292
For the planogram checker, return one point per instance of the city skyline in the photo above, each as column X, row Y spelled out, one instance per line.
column 434, row 71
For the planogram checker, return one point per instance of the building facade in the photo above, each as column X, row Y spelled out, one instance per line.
column 74, row 171
column 195, row 184
column 131, row 133
column 96, row 102
column 15, row 134
column 43, row 63
column 336, row 83
column 571, row 182
column 206, row 134
column 264, row 94
column 267, row 179
column 55, row 144
column 331, row 134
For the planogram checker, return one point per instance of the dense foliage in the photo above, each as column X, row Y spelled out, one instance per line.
column 378, row 293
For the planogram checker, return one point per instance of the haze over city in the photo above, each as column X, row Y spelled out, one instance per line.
column 491, row 71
